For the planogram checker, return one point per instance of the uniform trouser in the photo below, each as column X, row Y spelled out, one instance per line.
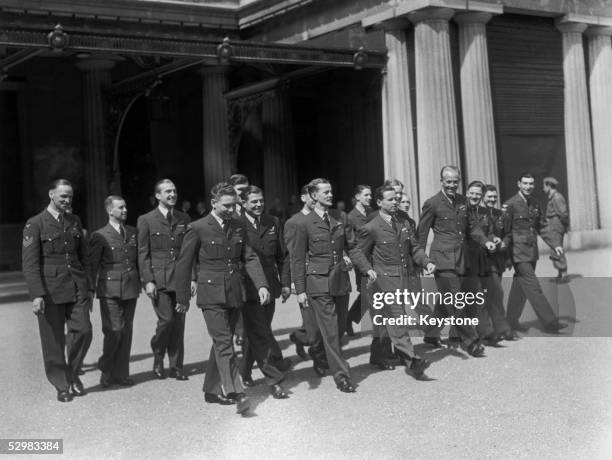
column 356, row 311
column 449, row 281
column 117, row 321
column 307, row 334
column 525, row 286
column 342, row 314
column 492, row 318
column 170, row 332
column 324, row 307
column 222, row 373
column 75, row 315
column 398, row 335
column 258, row 345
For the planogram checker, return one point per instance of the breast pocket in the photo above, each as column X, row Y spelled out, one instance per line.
column 51, row 243
column 320, row 243
column 213, row 249
column 236, row 246
column 159, row 240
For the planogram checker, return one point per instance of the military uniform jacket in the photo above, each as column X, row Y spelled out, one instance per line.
column 357, row 220
column 221, row 262
column 557, row 217
column 317, row 264
column 391, row 255
column 159, row 244
column 525, row 221
column 289, row 237
column 477, row 252
column 497, row 261
column 451, row 224
column 114, row 263
column 54, row 258
column 267, row 242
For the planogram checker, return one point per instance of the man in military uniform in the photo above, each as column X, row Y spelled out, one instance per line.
column 386, row 251
column 525, row 221
column 557, row 221
column 264, row 235
column 218, row 244
column 54, row 261
column 446, row 214
column 113, row 258
column 321, row 274
column 160, row 235
column 308, row 334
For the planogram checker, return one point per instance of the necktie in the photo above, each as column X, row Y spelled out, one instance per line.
column 226, row 226
column 122, row 232
column 169, row 217
column 60, row 219
column 326, row 220
column 256, row 223
column 394, row 225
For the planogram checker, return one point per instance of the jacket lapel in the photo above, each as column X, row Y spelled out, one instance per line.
column 52, row 221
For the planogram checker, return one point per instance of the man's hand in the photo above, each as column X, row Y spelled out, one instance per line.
column 38, row 306
column 559, row 250
column 430, row 268
column 347, row 262
column 285, row 293
column 293, row 291
column 264, row 296
column 151, row 290
column 372, row 275
column 490, row 245
column 497, row 240
column 194, row 288
column 303, row 299
column 181, row 308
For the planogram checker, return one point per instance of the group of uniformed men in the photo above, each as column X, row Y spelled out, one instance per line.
column 237, row 260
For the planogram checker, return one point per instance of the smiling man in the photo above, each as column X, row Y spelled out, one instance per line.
column 54, row 260
column 160, row 235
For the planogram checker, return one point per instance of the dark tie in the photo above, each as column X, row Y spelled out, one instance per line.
column 60, row 219
column 326, row 220
column 169, row 218
column 226, row 227
column 256, row 223
column 394, row 225
column 122, row 232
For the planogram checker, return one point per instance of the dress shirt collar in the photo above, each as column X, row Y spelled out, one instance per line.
column 53, row 212
column 163, row 210
column 252, row 219
column 321, row 213
column 386, row 217
column 116, row 226
column 217, row 218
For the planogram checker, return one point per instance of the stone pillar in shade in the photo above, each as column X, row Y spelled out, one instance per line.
column 278, row 150
column 578, row 148
column 437, row 139
column 215, row 134
column 600, row 85
column 96, row 78
column 398, row 138
column 476, row 102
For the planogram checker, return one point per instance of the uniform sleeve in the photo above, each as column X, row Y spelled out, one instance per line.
column 474, row 229
column 507, row 213
column 288, row 236
column 144, row 251
column 362, row 254
column 183, row 271
column 418, row 252
column 298, row 258
column 253, row 266
column 560, row 206
column 426, row 220
column 280, row 246
column 30, row 259
column 96, row 248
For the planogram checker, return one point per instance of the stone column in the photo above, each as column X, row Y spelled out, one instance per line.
column 278, row 150
column 578, row 149
column 398, row 138
column 96, row 78
column 215, row 134
column 437, row 139
column 477, row 106
column 600, row 83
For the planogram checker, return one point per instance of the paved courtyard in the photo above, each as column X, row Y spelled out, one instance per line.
column 540, row 397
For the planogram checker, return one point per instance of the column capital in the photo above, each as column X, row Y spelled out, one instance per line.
column 210, row 70
column 595, row 31
column 571, row 27
column 473, row 17
column 431, row 14
column 98, row 62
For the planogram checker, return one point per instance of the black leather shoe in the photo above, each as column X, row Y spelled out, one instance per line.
column 63, row 396
column 212, row 398
column 492, row 340
column 248, row 381
column 158, row 369
column 105, row 380
column 282, row 365
column 453, row 342
column 383, row 365
column 519, row 327
column 278, row 392
column 417, row 367
column 243, row 404
column 319, row 369
column 349, row 329
column 345, row 385
column 433, row 341
column 80, row 371
column 475, row 349
column 299, row 347
column 76, row 387
column 510, row 336
column 177, row 374
column 555, row 327
column 126, row 382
